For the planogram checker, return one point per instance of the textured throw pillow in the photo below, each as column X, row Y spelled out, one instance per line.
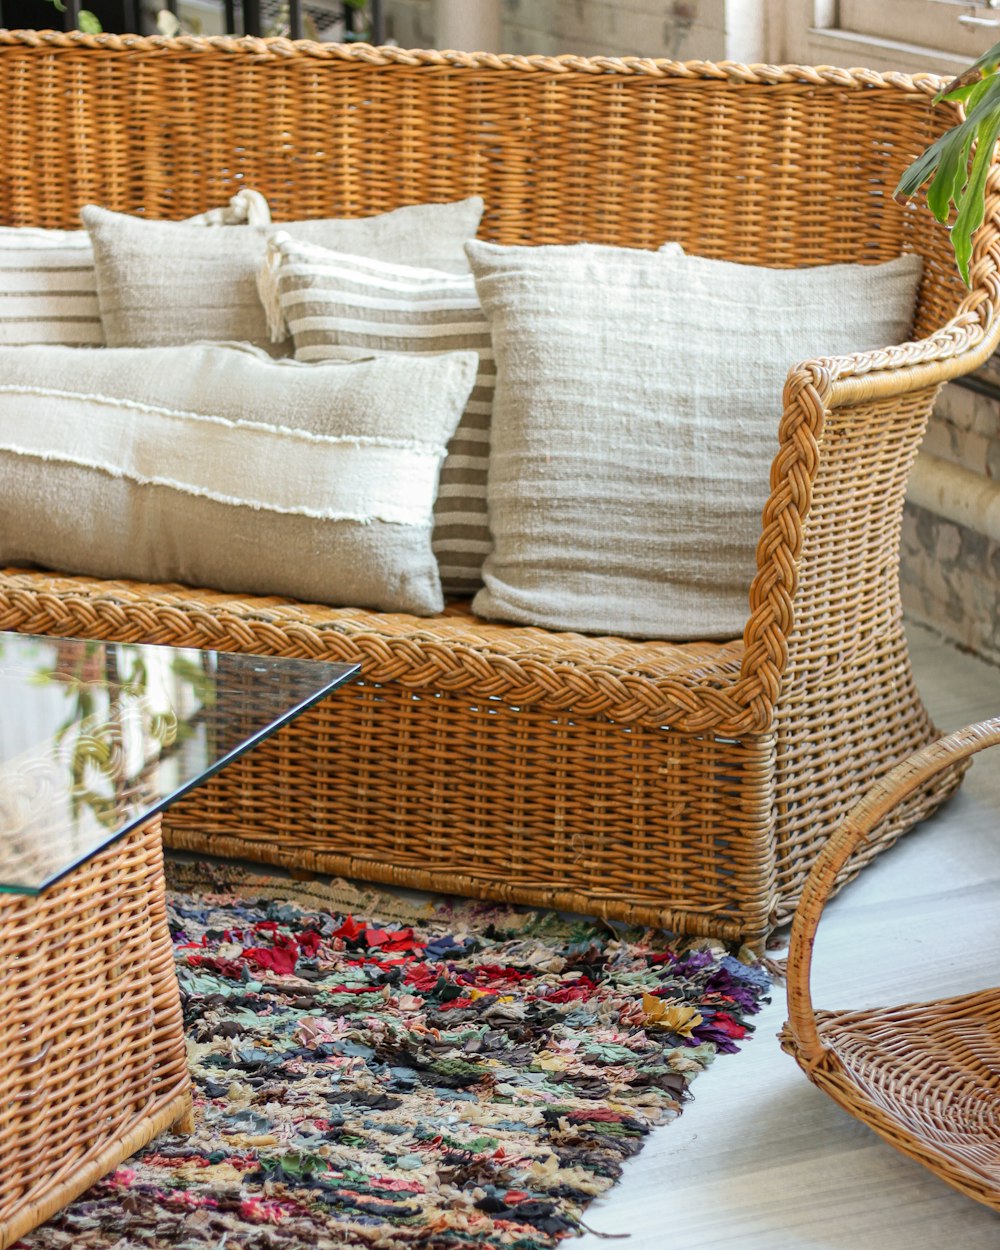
column 47, row 288
column 635, row 419
column 162, row 282
column 216, row 465
column 341, row 307
column 48, row 292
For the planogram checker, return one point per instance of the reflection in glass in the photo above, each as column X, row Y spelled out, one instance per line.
column 95, row 737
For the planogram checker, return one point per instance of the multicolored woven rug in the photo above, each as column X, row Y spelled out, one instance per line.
column 381, row 1075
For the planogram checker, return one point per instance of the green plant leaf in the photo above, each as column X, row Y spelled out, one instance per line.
column 945, row 164
column 972, row 205
column 949, row 147
column 984, row 67
column 952, row 175
column 917, row 173
column 89, row 23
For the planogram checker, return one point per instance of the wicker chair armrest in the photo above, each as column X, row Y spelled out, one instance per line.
column 882, row 798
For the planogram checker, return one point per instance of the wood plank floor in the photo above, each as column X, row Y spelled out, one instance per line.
column 761, row 1159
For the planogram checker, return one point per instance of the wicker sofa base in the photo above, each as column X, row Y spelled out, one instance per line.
column 433, row 791
column 429, row 773
column 505, row 803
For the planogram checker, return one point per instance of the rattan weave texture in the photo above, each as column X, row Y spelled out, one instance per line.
column 92, row 1058
column 690, row 784
column 924, row 1076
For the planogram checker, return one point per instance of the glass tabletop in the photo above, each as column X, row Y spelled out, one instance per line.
column 96, row 737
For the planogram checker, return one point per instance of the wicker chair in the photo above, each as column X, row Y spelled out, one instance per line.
column 688, row 786
column 922, row 1075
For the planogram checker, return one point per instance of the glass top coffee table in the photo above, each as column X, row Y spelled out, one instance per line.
column 96, row 739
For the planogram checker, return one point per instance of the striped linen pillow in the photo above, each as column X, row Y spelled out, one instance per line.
column 48, row 289
column 636, row 420
column 340, row 306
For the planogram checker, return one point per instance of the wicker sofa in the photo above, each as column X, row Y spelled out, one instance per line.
column 689, row 786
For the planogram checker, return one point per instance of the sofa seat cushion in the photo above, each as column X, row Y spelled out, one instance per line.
column 695, row 687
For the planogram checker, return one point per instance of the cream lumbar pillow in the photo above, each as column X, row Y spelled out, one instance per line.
column 162, row 282
column 48, row 290
column 635, row 419
column 341, row 307
column 215, row 465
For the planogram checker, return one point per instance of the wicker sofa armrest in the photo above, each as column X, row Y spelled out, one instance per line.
column 840, row 397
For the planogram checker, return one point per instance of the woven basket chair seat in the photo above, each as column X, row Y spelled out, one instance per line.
column 925, row 1076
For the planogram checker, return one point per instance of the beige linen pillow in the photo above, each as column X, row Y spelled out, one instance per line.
column 635, row 419
column 48, row 291
column 341, row 307
column 163, row 282
column 215, row 465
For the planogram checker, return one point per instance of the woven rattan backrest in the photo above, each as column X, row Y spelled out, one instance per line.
column 791, row 167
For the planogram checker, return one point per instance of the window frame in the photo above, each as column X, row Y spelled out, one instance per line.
column 812, row 35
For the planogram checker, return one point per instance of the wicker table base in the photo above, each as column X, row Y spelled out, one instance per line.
column 92, row 1059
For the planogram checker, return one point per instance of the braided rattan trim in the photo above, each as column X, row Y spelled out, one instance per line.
column 723, row 71
column 523, row 667
column 973, row 331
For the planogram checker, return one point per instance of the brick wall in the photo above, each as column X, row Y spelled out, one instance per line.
column 951, row 571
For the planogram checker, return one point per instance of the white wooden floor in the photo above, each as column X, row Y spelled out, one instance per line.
column 761, row 1159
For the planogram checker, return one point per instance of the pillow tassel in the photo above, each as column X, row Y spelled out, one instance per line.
column 269, row 290
column 251, row 207
column 246, row 208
